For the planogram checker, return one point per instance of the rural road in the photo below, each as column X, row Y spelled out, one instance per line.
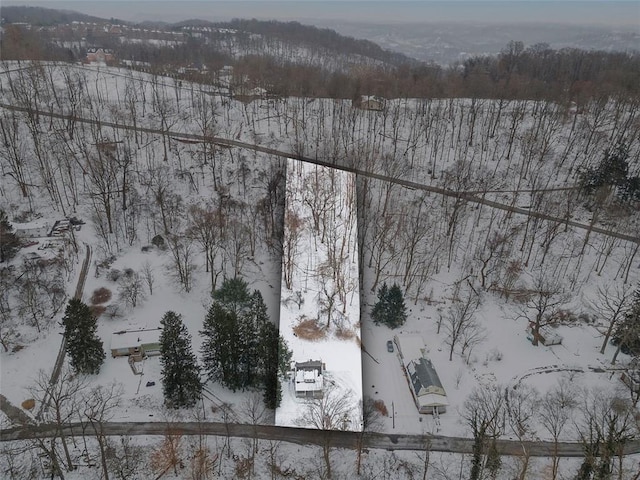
column 303, row 436
column 471, row 197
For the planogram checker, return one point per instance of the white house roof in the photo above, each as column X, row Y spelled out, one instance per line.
column 308, row 381
column 134, row 338
column 433, row 400
column 411, row 347
column 31, row 225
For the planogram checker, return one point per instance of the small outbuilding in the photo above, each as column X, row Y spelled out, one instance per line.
column 309, row 379
column 369, row 102
column 100, row 55
column 136, row 343
column 546, row 335
column 425, row 385
column 35, row 229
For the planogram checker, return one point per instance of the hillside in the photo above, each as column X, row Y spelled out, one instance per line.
column 44, row 17
column 504, row 223
column 325, row 38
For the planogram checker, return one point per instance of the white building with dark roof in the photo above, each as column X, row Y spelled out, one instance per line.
column 424, row 383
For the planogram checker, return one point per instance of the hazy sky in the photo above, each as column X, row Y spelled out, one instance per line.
column 614, row 13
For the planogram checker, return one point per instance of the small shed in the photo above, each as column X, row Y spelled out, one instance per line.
column 546, row 335
column 369, row 102
column 37, row 228
column 309, row 379
column 136, row 343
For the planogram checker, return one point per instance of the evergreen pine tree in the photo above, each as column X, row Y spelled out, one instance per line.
column 233, row 295
column 230, row 349
column 273, row 353
column 397, row 308
column 627, row 332
column 181, row 383
column 220, row 350
column 241, row 346
column 390, row 308
column 284, row 356
column 9, row 242
column 82, row 342
column 250, row 321
column 380, row 309
column 612, row 171
column 272, row 395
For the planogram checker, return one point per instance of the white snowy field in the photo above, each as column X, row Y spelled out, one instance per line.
column 321, row 259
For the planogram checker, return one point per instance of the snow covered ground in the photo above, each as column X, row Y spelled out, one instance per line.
column 320, row 251
column 334, row 130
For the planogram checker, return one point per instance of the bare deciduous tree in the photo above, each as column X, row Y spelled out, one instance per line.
column 610, row 304
column 555, row 412
column 7, row 326
column 331, row 412
column 606, row 427
column 460, row 321
column 125, row 459
column 254, row 410
column 182, row 266
column 483, row 413
column 168, row 454
column 371, row 422
column 131, row 289
column 206, row 226
column 293, row 226
column 545, row 300
column 521, row 403
column 99, row 405
column 63, row 399
column 148, row 276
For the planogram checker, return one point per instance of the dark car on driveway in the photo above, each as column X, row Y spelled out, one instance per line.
column 390, row 346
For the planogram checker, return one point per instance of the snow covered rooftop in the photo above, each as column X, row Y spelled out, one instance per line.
column 427, row 388
column 309, row 381
column 411, row 347
column 134, row 338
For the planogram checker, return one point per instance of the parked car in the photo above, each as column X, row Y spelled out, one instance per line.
column 390, row 346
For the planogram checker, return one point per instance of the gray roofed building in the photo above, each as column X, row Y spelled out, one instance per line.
column 425, row 385
column 424, row 377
